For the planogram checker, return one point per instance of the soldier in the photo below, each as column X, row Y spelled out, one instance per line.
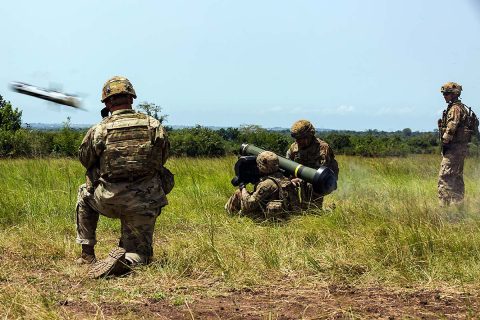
column 124, row 156
column 311, row 152
column 271, row 197
column 456, row 128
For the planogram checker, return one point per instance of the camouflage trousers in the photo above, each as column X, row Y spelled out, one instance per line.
column 136, row 229
column 234, row 207
column 451, row 187
column 272, row 210
column 234, row 203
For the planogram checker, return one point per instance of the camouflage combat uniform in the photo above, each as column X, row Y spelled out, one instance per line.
column 317, row 154
column 255, row 204
column 124, row 157
column 274, row 195
column 455, row 138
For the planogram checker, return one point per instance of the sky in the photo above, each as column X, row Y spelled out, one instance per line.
column 345, row 64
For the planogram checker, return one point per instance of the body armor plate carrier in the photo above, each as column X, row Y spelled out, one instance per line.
column 128, row 148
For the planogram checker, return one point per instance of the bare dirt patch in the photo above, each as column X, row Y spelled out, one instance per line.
column 284, row 302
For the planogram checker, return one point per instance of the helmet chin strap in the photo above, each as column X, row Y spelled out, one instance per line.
column 453, row 100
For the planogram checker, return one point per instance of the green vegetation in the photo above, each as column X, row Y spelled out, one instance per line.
column 382, row 226
column 203, row 141
column 10, row 118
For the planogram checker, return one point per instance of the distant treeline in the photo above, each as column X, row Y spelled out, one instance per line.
column 199, row 141
column 204, row 142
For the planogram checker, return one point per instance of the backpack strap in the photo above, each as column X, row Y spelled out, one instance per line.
column 280, row 189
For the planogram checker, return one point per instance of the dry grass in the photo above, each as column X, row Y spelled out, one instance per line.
column 386, row 229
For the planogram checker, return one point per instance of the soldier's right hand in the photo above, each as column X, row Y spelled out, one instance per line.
column 296, row 181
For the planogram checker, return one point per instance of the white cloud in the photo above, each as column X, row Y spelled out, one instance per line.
column 340, row 110
column 394, row 111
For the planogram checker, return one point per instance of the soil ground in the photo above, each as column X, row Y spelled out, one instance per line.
column 285, row 302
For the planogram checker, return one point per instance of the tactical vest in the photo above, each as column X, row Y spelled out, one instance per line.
column 467, row 126
column 310, row 157
column 289, row 199
column 128, row 148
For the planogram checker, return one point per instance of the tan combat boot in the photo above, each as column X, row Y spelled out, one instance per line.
column 114, row 265
column 88, row 255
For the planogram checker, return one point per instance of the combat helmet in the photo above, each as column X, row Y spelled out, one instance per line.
column 451, row 87
column 267, row 162
column 302, row 129
column 117, row 85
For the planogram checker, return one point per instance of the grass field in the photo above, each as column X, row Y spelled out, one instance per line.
column 382, row 227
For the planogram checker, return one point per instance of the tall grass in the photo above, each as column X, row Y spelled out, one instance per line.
column 383, row 225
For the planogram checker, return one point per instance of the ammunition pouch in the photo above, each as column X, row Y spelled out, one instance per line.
column 274, row 208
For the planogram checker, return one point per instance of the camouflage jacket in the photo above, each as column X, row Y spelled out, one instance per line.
column 107, row 152
column 317, row 154
column 453, row 124
column 265, row 191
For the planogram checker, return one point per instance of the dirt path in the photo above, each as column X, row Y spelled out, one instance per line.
column 282, row 302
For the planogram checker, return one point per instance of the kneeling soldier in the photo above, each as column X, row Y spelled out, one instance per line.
column 124, row 157
column 271, row 197
column 311, row 152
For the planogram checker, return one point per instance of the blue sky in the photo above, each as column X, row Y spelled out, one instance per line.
column 342, row 64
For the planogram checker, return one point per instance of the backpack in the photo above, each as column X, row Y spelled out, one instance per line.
column 471, row 123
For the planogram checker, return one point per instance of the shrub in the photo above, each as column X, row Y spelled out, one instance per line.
column 269, row 140
column 198, row 141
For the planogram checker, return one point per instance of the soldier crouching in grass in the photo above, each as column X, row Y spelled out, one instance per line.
column 272, row 196
column 456, row 128
column 124, row 156
column 311, row 152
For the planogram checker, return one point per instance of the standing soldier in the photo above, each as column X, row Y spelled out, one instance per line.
column 311, row 152
column 124, row 156
column 456, row 127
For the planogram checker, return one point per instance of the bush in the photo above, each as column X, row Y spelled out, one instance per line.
column 67, row 141
column 10, row 118
column 269, row 140
column 198, row 141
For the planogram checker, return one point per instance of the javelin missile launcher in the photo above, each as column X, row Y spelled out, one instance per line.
column 323, row 179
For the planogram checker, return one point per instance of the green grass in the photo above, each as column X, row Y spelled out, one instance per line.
column 383, row 226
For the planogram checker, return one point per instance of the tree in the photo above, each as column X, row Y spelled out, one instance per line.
column 339, row 142
column 407, row 132
column 195, row 142
column 10, row 118
column 153, row 110
column 268, row 140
